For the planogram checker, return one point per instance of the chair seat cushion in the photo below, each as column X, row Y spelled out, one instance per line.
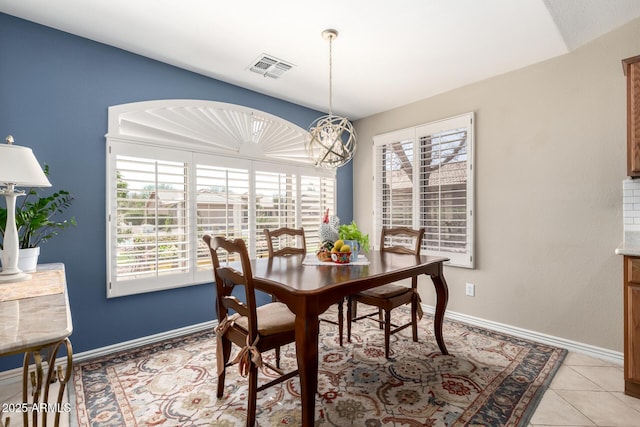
column 273, row 318
column 386, row 291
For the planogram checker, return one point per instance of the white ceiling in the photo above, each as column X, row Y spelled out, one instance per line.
column 388, row 53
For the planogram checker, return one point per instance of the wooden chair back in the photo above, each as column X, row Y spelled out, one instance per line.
column 401, row 240
column 289, row 235
column 227, row 277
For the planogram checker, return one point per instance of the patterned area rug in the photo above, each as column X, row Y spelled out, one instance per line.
column 489, row 379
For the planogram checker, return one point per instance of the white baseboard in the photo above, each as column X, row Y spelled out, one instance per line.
column 15, row 375
column 586, row 349
column 150, row 339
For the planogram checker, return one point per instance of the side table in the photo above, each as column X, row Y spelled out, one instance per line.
column 35, row 319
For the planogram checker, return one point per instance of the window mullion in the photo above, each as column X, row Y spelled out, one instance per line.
column 192, row 217
column 252, row 211
column 417, row 184
column 298, row 199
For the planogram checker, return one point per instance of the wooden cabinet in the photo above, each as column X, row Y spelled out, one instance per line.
column 631, row 67
column 632, row 326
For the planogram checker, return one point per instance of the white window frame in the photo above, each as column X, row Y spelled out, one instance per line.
column 411, row 137
column 152, row 130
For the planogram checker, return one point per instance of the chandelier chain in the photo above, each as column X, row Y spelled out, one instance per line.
column 331, row 75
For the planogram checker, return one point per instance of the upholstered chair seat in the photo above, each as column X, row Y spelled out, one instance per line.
column 386, row 291
column 273, row 318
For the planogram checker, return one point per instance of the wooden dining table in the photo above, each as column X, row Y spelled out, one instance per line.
column 308, row 290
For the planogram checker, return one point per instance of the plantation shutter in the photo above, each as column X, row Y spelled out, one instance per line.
column 149, row 218
column 317, row 195
column 394, row 180
column 275, row 203
column 222, row 206
column 444, row 187
column 423, row 179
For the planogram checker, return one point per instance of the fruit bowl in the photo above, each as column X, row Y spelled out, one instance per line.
column 324, row 255
column 340, row 257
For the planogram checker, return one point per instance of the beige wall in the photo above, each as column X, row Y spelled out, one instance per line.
column 549, row 164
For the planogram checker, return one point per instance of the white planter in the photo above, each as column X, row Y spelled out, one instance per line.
column 27, row 259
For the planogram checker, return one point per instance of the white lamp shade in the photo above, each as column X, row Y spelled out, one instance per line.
column 20, row 167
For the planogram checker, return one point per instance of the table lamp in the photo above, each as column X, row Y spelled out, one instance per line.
column 18, row 167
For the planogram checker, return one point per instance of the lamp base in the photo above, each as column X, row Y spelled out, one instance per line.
column 13, row 277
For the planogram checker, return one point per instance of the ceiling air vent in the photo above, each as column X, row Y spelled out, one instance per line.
column 269, row 66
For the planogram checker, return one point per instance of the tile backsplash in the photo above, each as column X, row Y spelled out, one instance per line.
column 631, row 207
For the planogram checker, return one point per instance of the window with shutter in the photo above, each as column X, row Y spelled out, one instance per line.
column 150, row 223
column 423, row 179
column 170, row 182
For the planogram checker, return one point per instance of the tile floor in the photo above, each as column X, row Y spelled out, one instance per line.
column 585, row 392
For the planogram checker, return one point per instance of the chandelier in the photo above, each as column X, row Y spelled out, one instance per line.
column 332, row 139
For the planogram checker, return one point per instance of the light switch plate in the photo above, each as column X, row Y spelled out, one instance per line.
column 470, row 290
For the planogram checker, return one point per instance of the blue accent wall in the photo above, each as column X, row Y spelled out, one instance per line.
column 55, row 89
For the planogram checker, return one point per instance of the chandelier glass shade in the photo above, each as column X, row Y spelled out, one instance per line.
column 332, row 139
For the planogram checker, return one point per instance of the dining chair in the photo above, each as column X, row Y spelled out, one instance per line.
column 401, row 240
column 254, row 329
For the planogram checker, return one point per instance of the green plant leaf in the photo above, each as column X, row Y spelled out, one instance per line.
column 352, row 232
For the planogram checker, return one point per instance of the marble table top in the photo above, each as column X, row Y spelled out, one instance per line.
column 34, row 321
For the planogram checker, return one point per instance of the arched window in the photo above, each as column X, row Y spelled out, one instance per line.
column 179, row 169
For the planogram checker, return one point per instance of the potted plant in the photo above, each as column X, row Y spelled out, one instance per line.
column 35, row 222
column 352, row 236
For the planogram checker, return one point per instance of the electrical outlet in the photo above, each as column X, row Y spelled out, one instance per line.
column 470, row 290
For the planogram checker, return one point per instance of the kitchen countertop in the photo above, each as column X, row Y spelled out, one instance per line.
column 630, row 245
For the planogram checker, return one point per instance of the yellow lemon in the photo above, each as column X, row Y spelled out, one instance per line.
column 338, row 244
column 345, row 248
column 334, row 249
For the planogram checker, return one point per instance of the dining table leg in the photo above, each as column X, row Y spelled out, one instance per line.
column 442, row 297
column 307, row 330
